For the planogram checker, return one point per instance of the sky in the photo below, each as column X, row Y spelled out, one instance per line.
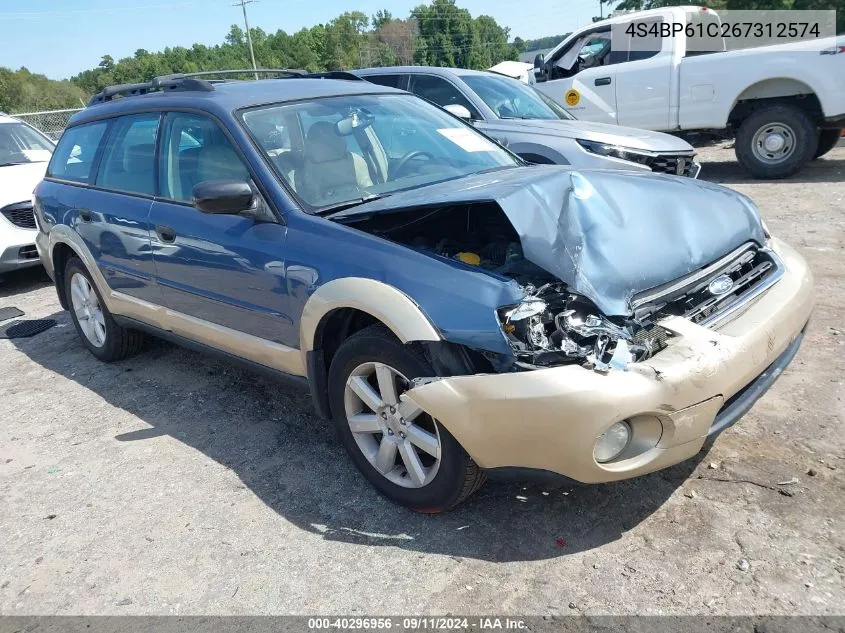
column 60, row 38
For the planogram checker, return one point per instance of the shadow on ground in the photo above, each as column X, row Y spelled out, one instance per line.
column 729, row 172
column 266, row 433
column 20, row 281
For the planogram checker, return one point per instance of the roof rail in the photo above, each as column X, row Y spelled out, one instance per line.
column 193, row 81
column 172, row 82
column 290, row 72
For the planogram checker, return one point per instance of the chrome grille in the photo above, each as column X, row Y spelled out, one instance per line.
column 673, row 164
column 711, row 294
column 20, row 215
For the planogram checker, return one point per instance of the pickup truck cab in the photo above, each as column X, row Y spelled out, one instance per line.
column 785, row 104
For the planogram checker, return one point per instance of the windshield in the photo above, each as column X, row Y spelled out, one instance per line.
column 21, row 144
column 512, row 99
column 346, row 149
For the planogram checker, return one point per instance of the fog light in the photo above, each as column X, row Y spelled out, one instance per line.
column 612, row 442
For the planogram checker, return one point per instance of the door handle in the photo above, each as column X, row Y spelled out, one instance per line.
column 165, row 233
column 602, row 81
column 85, row 215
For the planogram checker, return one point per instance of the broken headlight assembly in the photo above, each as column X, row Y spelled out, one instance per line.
column 552, row 326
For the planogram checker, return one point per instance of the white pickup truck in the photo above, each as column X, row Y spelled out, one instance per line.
column 785, row 104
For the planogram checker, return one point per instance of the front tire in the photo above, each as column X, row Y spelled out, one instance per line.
column 94, row 324
column 827, row 141
column 407, row 455
column 776, row 141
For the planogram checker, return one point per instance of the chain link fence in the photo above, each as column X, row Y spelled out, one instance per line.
column 51, row 122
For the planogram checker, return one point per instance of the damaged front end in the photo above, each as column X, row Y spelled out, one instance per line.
column 586, row 251
column 552, row 326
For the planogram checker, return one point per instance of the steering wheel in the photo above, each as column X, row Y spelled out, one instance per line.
column 407, row 158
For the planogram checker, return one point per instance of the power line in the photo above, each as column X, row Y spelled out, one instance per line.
column 243, row 4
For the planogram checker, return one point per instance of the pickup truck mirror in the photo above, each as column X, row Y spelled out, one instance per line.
column 458, row 110
column 540, row 67
column 225, row 197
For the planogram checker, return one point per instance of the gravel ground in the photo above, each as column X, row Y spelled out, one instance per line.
column 175, row 484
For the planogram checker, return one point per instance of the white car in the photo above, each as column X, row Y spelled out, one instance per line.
column 24, row 153
column 785, row 104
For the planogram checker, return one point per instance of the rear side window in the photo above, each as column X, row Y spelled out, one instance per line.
column 441, row 92
column 128, row 162
column 74, row 155
column 390, row 81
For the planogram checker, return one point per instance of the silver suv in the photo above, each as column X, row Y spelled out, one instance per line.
column 530, row 124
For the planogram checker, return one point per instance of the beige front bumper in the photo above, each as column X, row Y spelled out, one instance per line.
column 549, row 419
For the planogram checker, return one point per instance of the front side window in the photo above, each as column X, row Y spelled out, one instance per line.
column 354, row 147
column 75, row 153
column 128, row 162
column 194, row 149
column 19, row 144
column 589, row 51
column 512, row 99
column 439, row 91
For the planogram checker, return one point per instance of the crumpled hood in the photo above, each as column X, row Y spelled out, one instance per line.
column 18, row 181
column 598, row 132
column 607, row 234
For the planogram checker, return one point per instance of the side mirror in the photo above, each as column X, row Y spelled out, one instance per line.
column 228, row 197
column 540, row 67
column 459, row 111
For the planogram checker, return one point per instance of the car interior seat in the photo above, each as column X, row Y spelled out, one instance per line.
column 136, row 172
column 330, row 172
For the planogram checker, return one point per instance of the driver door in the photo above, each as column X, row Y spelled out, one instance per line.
column 582, row 78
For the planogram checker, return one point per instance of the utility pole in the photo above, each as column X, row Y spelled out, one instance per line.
column 242, row 4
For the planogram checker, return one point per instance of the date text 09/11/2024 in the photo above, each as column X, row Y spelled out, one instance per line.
column 422, row 623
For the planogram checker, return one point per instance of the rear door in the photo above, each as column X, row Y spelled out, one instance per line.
column 224, row 269
column 115, row 161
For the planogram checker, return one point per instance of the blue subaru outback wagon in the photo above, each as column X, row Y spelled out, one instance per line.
column 453, row 309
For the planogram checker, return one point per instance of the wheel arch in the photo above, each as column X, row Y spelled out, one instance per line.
column 344, row 306
column 537, row 153
column 59, row 256
column 772, row 91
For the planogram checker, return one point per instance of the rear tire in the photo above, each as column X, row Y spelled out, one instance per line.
column 827, row 141
column 431, row 479
column 776, row 141
column 94, row 324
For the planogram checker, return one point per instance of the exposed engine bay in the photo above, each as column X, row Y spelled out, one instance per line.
column 478, row 235
column 551, row 326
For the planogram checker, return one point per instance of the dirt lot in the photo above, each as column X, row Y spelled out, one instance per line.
column 175, row 484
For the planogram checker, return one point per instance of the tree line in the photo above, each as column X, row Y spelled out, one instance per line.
column 437, row 34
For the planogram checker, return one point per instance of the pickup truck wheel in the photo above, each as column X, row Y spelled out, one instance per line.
column 98, row 331
column 827, row 141
column 403, row 452
column 776, row 141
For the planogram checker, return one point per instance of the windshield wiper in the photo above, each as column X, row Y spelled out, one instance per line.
column 348, row 204
column 20, row 162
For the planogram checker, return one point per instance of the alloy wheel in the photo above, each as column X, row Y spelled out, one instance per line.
column 397, row 438
column 86, row 307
